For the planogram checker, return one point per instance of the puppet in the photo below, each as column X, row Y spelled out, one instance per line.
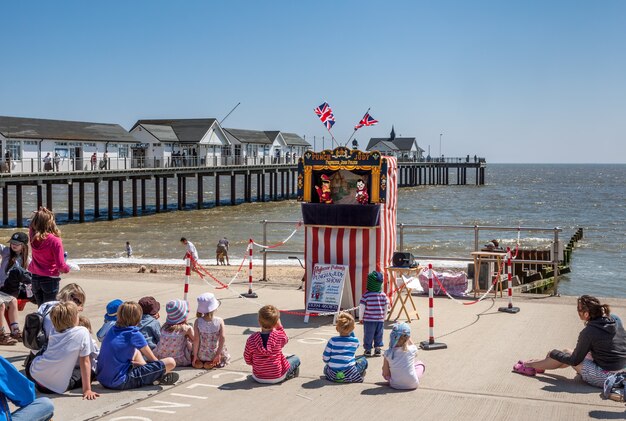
column 361, row 192
column 324, row 191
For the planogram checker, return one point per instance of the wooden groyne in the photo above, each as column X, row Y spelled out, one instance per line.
column 147, row 188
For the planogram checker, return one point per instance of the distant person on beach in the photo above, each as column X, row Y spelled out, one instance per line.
column 21, row 392
column 48, row 261
column 129, row 249
column 177, row 335
column 600, row 350
column 264, row 350
column 400, row 368
column 191, row 249
column 209, row 348
column 221, row 252
column 339, row 354
column 110, row 318
column 126, row 361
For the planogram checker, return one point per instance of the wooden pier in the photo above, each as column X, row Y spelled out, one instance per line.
column 149, row 187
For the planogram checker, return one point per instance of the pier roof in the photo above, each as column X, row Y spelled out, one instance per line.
column 190, row 130
column 39, row 128
column 293, row 139
column 401, row 143
column 250, row 136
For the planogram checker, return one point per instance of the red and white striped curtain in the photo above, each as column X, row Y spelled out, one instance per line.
column 363, row 250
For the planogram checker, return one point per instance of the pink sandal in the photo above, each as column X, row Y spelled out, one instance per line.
column 537, row 370
column 521, row 368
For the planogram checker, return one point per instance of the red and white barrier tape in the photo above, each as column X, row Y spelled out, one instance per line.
column 281, row 242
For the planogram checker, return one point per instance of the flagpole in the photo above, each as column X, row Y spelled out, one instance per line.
column 349, row 139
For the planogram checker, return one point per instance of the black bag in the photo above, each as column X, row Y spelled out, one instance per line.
column 15, row 284
column 33, row 335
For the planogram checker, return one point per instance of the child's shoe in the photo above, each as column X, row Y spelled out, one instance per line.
column 209, row 365
column 168, row 379
column 521, row 368
column 198, row 364
column 6, row 339
column 368, row 353
column 377, row 352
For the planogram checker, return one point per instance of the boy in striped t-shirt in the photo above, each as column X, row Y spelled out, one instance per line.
column 264, row 350
column 372, row 310
column 341, row 365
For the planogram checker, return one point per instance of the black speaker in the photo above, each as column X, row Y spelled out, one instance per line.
column 403, row 260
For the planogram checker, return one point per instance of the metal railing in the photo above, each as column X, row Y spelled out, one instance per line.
column 476, row 229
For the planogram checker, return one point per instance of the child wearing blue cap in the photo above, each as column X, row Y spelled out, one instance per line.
column 372, row 311
column 109, row 318
column 400, row 367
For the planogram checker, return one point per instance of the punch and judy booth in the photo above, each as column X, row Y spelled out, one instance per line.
column 349, row 211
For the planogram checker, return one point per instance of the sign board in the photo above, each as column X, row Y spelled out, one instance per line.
column 325, row 292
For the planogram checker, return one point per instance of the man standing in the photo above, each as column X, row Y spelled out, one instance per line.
column 94, row 161
column 191, row 249
column 7, row 160
column 222, row 249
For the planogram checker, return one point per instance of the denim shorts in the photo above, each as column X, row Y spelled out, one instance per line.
column 143, row 375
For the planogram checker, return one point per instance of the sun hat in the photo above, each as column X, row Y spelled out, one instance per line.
column 398, row 331
column 19, row 237
column 177, row 311
column 207, row 303
column 111, row 314
column 150, row 305
column 375, row 281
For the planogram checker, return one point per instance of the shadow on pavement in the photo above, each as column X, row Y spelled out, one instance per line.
column 605, row 415
column 384, row 389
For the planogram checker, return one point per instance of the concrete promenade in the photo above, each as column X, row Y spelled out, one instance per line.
column 471, row 380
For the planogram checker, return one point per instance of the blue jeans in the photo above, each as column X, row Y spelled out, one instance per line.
column 143, row 375
column 41, row 409
column 45, row 288
column 294, row 363
column 373, row 334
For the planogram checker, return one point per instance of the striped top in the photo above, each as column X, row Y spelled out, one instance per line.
column 268, row 362
column 339, row 352
column 376, row 304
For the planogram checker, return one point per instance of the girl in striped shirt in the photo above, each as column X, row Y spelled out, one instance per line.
column 341, row 365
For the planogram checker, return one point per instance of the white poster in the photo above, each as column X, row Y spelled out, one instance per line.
column 324, row 295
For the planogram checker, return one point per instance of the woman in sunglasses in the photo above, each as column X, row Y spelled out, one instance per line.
column 600, row 351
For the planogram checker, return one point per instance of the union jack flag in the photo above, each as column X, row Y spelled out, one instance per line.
column 326, row 115
column 367, row 120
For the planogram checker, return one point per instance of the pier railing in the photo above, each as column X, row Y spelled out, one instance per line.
column 478, row 233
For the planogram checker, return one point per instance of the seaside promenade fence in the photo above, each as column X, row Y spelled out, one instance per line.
column 478, row 232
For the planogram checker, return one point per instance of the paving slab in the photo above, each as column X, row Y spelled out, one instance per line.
column 470, row 380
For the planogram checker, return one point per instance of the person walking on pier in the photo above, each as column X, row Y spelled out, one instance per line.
column 94, row 161
column 57, row 161
column 600, row 351
column 47, row 162
column 7, row 161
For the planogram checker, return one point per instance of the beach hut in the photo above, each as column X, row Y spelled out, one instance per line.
column 362, row 235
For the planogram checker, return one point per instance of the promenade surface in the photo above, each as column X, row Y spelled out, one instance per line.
column 471, row 380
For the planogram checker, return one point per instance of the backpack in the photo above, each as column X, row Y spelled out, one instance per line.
column 33, row 335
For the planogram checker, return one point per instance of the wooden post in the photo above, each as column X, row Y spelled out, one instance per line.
column 233, row 188
column 164, row 193
column 246, row 186
column 120, row 195
column 110, row 201
column 70, row 201
column 96, row 199
column 157, row 194
column 5, row 205
column 81, row 200
column 217, row 189
column 179, row 193
column 275, row 184
column 39, row 195
column 48, row 196
column 183, row 184
column 258, row 187
column 200, row 192
column 134, row 193
column 18, row 205
column 263, row 187
column 143, row 195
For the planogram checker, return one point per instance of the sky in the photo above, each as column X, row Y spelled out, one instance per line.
column 511, row 81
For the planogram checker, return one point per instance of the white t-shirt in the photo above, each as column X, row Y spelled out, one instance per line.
column 402, row 367
column 54, row 368
column 192, row 250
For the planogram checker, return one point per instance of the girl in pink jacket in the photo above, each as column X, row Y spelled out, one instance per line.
column 48, row 261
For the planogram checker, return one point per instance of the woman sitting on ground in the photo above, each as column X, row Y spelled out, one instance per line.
column 600, row 351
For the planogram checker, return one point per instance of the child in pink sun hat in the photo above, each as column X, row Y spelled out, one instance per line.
column 209, row 349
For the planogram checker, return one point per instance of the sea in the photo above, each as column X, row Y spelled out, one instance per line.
column 567, row 196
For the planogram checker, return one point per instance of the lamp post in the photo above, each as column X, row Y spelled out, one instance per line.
column 440, row 135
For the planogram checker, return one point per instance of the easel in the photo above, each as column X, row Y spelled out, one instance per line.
column 491, row 257
column 403, row 291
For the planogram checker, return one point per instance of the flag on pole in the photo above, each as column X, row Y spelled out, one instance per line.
column 326, row 115
column 367, row 120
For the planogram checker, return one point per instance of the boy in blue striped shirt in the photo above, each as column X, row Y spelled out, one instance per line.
column 372, row 311
column 341, row 365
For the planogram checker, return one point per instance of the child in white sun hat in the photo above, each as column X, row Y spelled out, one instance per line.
column 209, row 348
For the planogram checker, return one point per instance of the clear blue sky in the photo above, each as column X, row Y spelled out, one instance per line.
column 514, row 81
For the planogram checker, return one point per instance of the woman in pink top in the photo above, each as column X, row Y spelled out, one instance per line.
column 48, row 261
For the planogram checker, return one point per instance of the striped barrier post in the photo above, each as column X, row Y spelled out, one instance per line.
column 187, row 275
column 250, row 294
column 509, row 308
column 430, row 343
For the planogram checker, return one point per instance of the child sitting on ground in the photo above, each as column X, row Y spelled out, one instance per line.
column 21, row 392
column 263, row 350
column 400, row 367
column 209, row 349
column 149, row 325
column 176, row 334
column 372, row 310
column 109, row 318
column 66, row 364
column 121, row 364
column 341, row 365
